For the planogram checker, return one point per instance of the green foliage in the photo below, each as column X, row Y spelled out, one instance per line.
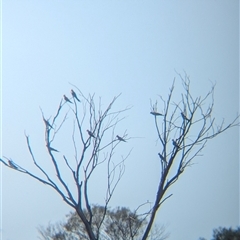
column 225, row 234
column 124, row 224
column 119, row 224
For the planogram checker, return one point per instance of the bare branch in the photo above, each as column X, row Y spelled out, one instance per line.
column 190, row 126
column 88, row 151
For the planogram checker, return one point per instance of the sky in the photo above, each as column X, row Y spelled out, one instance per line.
column 135, row 48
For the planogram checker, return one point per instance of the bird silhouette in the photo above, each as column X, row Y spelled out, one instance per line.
column 12, row 164
column 90, row 134
column 120, row 139
column 74, row 95
column 184, row 117
column 66, row 99
column 161, row 156
column 175, row 144
column 156, row 113
column 47, row 123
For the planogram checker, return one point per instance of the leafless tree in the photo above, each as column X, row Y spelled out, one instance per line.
column 94, row 141
column 183, row 129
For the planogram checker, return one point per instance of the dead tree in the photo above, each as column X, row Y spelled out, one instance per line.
column 94, row 141
column 183, row 130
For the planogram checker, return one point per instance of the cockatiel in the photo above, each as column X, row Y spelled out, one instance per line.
column 66, row 99
column 120, row 139
column 74, row 95
column 156, row 113
column 90, row 134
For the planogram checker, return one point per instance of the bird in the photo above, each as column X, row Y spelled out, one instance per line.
column 12, row 164
column 156, row 113
column 74, row 95
column 175, row 143
column 90, row 134
column 120, row 139
column 161, row 156
column 66, row 99
column 184, row 117
column 47, row 123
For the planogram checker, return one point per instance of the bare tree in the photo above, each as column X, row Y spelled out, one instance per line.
column 94, row 141
column 183, row 130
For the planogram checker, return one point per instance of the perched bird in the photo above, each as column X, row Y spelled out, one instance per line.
column 47, row 123
column 120, row 139
column 156, row 113
column 161, row 156
column 74, row 95
column 90, row 134
column 12, row 164
column 66, row 99
column 184, row 117
column 175, row 144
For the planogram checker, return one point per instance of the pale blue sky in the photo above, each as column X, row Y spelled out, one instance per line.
column 133, row 48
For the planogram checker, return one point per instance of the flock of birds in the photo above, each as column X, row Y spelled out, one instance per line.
column 74, row 95
column 49, row 126
column 118, row 137
column 91, row 134
column 174, row 142
column 154, row 113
